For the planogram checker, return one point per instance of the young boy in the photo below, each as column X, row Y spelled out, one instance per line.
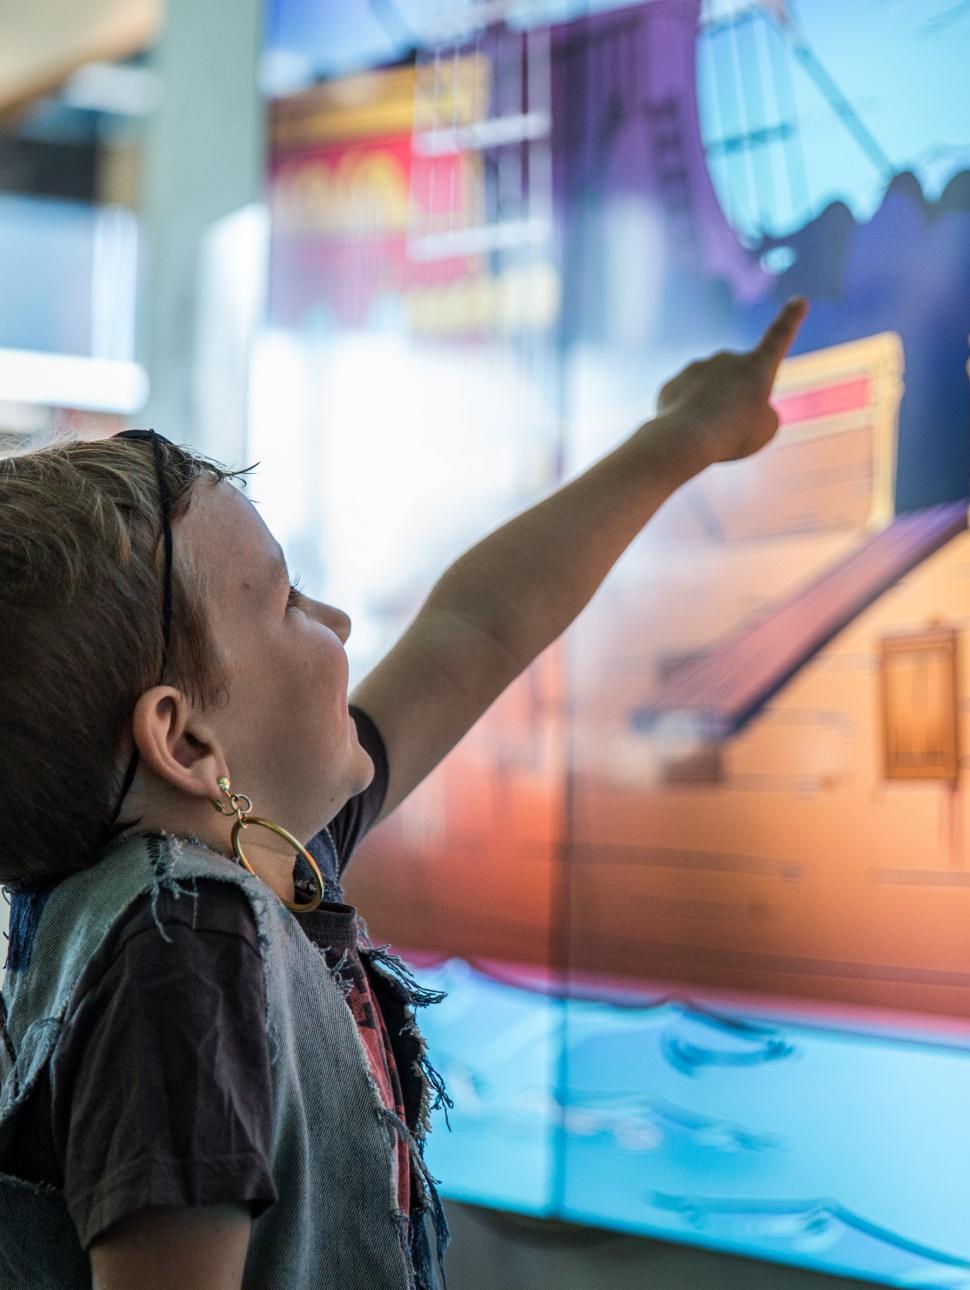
column 211, row 1077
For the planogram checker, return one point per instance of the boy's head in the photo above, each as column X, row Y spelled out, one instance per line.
column 255, row 680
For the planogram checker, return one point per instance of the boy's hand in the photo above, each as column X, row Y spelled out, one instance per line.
column 720, row 404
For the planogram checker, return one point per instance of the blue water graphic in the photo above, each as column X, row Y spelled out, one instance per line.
column 845, row 1152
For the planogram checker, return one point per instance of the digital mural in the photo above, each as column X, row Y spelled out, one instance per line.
column 698, row 884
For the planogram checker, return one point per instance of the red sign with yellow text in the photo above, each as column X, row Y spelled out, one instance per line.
column 361, row 217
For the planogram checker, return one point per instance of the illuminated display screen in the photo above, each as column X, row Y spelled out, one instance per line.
column 698, row 884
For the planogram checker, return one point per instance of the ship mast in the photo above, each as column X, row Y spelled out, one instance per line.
column 721, row 24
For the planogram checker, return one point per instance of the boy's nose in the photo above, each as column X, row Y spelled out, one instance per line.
column 339, row 622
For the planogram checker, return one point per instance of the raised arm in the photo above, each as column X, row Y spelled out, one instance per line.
column 511, row 595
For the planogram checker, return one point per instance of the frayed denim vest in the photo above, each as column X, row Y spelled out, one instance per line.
column 335, row 1224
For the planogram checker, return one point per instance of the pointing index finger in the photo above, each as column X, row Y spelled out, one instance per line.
column 778, row 338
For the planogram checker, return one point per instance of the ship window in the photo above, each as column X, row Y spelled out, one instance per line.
column 918, row 675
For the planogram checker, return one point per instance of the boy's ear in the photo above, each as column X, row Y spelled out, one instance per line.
column 175, row 744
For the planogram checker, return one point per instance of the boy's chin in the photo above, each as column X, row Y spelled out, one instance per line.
column 371, row 772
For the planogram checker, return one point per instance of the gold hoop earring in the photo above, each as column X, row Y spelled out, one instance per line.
column 244, row 819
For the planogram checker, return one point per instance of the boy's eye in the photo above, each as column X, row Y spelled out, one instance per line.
column 295, row 598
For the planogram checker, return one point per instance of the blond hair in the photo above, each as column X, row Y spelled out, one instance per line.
column 81, row 637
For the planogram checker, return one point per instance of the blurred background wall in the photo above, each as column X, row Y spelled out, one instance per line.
column 131, row 221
